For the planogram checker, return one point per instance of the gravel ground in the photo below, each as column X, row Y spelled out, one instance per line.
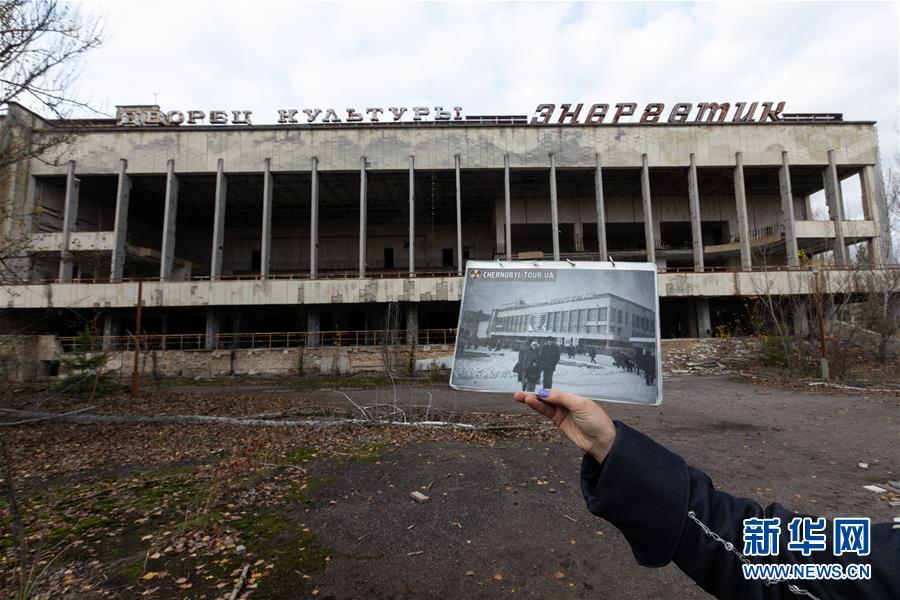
column 510, row 520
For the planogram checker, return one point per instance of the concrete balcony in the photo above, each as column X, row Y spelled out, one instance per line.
column 854, row 231
column 79, row 241
column 257, row 292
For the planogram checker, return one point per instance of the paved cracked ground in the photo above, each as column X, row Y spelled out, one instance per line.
column 509, row 520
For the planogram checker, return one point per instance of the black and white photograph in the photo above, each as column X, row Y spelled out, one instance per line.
column 590, row 328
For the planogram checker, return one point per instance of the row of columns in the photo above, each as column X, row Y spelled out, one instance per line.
column 167, row 254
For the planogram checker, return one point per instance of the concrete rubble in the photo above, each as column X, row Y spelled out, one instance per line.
column 709, row 356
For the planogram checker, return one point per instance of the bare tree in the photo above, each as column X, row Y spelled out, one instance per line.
column 41, row 44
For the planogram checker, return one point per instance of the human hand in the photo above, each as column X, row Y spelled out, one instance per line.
column 579, row 419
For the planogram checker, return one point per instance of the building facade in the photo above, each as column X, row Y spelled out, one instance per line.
column 600, row 319
column 335, row 228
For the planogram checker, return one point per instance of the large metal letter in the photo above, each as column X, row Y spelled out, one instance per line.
column 167, row 253
column 554, row 211
column 650, row 239
column 601, row 210
column 120, row 227
column 507, row 212
column 218, row 241
column 362, row 217
column 694, row 207
column 836, row 208
column 314, row 221
column 70, row 216
column 740, row 198
column 459, row 247
column 265, row 243
column 787, row 210
column 412, row 214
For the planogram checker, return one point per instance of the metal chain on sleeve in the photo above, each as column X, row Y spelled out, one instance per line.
column 730, row 547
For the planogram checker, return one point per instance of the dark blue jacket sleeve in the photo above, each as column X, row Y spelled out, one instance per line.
column 646, row 491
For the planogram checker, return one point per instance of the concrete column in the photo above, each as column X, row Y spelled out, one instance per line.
column 704, row 322
column 314, row 220
column 836, row 208
column 601, row 210
column 213, row 327
column 120, row 227
column 692, row 330
column 70, row 217
column 412, row 214
column 787, row 210
column 874, row 211
column 459, row 246
column 111, row 325
column 412, row 323
column 694, row 209
column 801, row 317
column 313, row 326
column 554, row 207
column 740, row 198
column 218, row 238
column 507, row 210
column 362, row 217
column 265, row 242
column 579, row 234
column 807, row 208
column 167, row 253
column 649, row 238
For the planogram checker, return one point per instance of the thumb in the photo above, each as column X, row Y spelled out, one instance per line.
column 564, row 399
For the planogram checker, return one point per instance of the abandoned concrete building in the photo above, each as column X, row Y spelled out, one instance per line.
column 355, row 234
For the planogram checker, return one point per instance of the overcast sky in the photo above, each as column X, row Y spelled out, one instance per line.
column 498, row 58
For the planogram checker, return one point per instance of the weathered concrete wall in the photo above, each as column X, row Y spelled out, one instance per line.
column 356, row 291
column 78, row 241
column 295, row 362
column 21, row 356
column 196, row 150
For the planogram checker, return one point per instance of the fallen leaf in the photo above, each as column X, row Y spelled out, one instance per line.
column 498, row 577
column 559, row 575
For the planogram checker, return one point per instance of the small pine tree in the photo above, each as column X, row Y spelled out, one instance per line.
column 85, row 368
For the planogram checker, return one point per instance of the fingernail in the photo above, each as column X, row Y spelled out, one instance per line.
column 544, row 393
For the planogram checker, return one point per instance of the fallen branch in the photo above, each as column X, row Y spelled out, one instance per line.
column 53, row 416
column 240, row 584
column 243, row 422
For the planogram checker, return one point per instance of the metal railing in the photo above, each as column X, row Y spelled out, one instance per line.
column 261, row 340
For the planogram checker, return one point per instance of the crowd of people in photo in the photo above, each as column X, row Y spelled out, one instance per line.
column 538, row 358
column 640, row 362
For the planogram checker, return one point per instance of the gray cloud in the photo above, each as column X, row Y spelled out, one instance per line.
column 498, row 58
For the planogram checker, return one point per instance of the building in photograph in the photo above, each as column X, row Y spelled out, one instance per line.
column 329, row 230
column 598, row 319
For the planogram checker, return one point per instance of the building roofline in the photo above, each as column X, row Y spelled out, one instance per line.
column 109, row 125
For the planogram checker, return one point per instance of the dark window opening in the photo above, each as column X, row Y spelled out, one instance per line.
column 447, row 257
column 255, row 260
column 388, row 258
column 625, row 236
column 675, row 234
column 49, row 368
column 715, row 233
